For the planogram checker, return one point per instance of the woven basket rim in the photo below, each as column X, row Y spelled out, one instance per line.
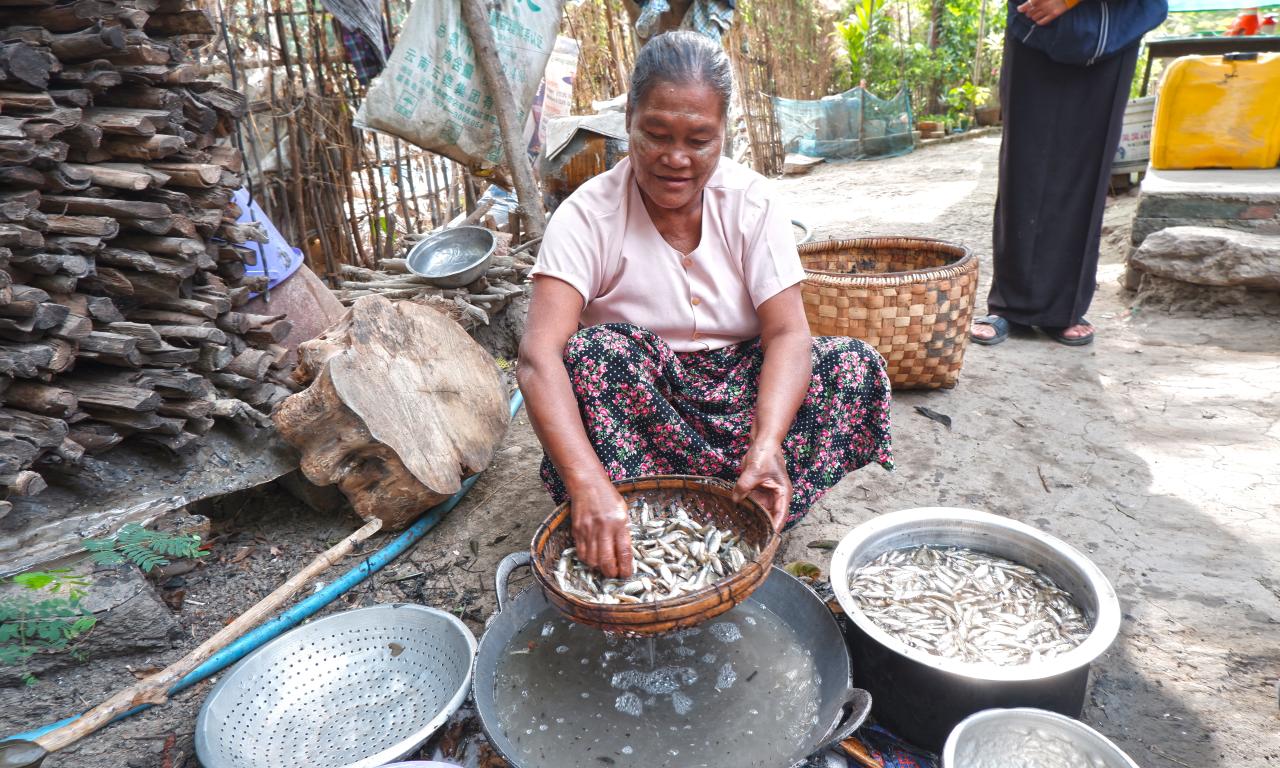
column 967, row 261
column 763, row 560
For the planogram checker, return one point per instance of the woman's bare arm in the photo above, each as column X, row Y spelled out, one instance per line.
column 784, row 381
column 598, row 511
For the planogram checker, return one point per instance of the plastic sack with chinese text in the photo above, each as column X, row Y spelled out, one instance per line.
column 432, row 93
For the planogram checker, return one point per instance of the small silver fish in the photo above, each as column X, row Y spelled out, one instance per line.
column 968, row 605
column 673, row 554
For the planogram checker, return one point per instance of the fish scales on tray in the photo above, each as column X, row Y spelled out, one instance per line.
column 966, row 605
column 673, row 554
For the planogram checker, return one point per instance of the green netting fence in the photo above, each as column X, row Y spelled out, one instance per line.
column 854, row 125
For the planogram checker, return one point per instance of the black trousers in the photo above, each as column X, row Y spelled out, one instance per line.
column 1061, row 127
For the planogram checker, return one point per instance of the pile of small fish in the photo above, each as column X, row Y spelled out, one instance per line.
column 969, row 606
column 673, row 555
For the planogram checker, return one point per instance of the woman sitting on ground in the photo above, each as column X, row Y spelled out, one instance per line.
column 694, row 354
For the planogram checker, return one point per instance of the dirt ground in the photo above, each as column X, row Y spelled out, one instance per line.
column 1155, row 451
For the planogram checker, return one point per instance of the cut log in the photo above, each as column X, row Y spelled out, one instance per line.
column 95, row 76
column 402, row 405
column 24, row 302
column 199, row 334
column 65, row 177
column 104, row 343
column 91, row 43
column 145, row 262
column 53, row 263
column 152, row 148
column 146, row 337
column 186, row 409
column 122, row 175
column 74, row 16
column 213, row 357
column 73, row 328
column 143, row 97
column 27, row 483
column 173, row 356
column 146, row 226
column 168, row 246
column 16, row 235
column 240, row 412
column 230, row 381
column 92, row 226
column 103, row 310
column 182, row 23
column 16, row 176
column 140, row 422
column 96, row 437
column 98, row 206
column 72, row 97
column 44, row 399
column 56, row 283
column 190, row 174
column 252, row 364
column 41, row 432
column 107, row 280
column 112, row 396
column 26, row 65
column 23, row 103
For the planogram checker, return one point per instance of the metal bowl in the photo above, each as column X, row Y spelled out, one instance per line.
column 890, row 669
column 1027, row 738
column 454, row 257
column 357, row 689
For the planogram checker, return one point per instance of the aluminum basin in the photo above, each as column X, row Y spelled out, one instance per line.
column 1029, row 738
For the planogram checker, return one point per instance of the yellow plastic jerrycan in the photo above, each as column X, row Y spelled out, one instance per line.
column 1218, row 112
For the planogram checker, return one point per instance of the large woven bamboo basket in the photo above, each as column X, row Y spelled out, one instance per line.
column 909, row 297
column 706, row 499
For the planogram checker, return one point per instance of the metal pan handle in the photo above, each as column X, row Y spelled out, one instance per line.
column 857, row 703
column 503, row 575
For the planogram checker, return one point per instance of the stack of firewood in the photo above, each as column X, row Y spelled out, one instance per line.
column 471, row 305
column 120, row 269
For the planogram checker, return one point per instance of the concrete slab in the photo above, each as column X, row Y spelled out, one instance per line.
column 1216, row 182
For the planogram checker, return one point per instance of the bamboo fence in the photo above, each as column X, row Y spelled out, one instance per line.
column 345, row 196
column 349, row 197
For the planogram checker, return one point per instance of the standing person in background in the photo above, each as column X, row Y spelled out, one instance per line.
column 1062, row 124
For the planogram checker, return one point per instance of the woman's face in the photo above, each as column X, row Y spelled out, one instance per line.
column 676, row 134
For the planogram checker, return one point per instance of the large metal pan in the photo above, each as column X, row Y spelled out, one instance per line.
column 840, row 712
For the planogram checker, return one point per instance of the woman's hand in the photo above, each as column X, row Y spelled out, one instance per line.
column 763, row 477
column 1043, row 11
column 600, row 533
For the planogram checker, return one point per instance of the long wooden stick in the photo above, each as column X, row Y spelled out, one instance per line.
column 154, row 689
column 511, row 132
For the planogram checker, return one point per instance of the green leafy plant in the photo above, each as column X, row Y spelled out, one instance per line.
column 48, row 614
column 965, row 98
column 145, row 549
column 54, row 621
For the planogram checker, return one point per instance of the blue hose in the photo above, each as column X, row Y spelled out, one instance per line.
column 305, row 609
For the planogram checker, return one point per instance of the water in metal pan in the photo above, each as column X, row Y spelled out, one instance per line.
column 740, row 690
column 1027, row 746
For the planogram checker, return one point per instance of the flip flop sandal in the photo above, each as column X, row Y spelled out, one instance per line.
column 1056, row 335
column 1001, row 325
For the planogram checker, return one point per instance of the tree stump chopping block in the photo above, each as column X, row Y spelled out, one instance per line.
column 402, row 406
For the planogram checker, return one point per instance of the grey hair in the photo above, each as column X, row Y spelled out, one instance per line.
column 681, row 57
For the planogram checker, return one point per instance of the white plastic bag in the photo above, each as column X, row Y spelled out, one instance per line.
column 432, row 93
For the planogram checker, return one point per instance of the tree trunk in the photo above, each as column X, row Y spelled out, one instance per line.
column 402, row 406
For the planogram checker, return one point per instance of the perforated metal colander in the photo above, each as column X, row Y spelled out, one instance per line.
column 353, row 690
